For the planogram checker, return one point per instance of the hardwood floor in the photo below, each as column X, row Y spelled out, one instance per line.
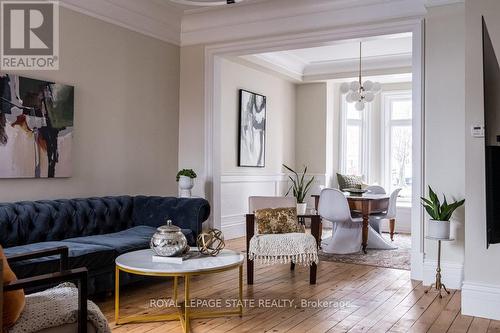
column 360, row 299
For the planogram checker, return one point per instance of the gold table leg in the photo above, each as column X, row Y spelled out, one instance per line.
column 176, row 282
column 117, row 294
column 186, row 304
column 185, row 314
column 240, row 294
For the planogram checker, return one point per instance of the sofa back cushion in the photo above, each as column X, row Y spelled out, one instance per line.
column 51, row 220
column 186, row 213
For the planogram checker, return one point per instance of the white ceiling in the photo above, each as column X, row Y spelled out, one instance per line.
column 389, row 53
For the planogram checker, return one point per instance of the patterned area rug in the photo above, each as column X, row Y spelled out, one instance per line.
column 398, row 258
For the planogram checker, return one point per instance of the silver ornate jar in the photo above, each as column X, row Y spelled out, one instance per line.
column 169, row 241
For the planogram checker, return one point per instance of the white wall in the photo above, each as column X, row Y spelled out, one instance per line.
column 191, row 116
column 444, row 135
column 238, row 183
column 126, row 113
column 311, row 126
column 481, row 290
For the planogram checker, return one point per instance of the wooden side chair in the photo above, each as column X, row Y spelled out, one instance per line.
column 259, row 202
column 78, row 275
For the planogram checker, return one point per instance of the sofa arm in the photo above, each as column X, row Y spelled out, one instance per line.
column 186, row 213
column 190, row 213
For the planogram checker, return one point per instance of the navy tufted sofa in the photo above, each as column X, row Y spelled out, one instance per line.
column 96, row 230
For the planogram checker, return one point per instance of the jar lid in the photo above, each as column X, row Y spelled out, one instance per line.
column 169, row 227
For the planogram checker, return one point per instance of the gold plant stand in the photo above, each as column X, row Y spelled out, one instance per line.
column 438, row 285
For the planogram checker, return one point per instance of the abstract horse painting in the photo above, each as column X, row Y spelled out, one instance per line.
column 36, row 128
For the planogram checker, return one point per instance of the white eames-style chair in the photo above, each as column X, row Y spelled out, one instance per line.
column 390, row 214
column 375, row 189
column 347, row 230
column 346, row 235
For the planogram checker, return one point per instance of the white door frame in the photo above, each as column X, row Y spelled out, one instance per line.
column 213, row 54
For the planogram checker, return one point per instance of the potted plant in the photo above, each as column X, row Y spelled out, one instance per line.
column 440, row 213
column 299, row 188
column 185, row 178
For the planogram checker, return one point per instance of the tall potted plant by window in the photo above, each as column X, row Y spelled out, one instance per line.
column 440, row 213
column 299, row 188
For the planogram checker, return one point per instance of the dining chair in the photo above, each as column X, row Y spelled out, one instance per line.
column 346, row 232
column 390, row 214
column 262, row 202
column 375, row 189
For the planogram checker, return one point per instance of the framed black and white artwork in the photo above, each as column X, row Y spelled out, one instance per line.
column 252, row 130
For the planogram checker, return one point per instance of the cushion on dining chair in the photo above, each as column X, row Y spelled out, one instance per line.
column 277, row 221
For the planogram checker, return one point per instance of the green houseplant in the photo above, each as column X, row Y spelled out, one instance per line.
column 440, row 213
column 299, row 188
column 185, row 177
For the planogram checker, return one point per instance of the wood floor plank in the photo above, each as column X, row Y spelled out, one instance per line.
column 370, row 320
column 412, row 315
column 479, row 325
column 494, row 326
column 379, row 300
column 429, row 316
column 447, row 316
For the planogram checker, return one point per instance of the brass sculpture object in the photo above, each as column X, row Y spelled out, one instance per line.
column 210, row 242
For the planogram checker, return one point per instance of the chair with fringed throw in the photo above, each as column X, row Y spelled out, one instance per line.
column 294, row 248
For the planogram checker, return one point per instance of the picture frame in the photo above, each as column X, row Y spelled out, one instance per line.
column 252, row 129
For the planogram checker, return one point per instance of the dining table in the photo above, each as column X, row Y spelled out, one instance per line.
column 364, row 204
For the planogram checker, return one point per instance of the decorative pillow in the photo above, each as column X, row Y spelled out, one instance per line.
column 349, row 181
column 13, row 301
column 277, row 221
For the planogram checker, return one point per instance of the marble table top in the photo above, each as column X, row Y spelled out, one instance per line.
column 142, row 261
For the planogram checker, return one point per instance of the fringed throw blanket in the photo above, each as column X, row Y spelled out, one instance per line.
column 269, row 249
column 55, row 307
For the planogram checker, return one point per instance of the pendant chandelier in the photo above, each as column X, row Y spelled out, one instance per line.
column 360, row 92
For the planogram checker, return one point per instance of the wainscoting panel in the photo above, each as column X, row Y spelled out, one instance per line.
column 236, row 188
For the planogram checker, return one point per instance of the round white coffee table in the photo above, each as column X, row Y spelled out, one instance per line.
column 141, row 263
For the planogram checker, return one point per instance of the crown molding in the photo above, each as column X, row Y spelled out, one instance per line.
column 297, row 71
column 145, row 17
column 436, row 3
column 273, row 68
column 385, row 62
column 280, row 17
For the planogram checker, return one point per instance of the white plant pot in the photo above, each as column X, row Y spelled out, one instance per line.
column 301, row 208
column 439, row 229
column 185, row 186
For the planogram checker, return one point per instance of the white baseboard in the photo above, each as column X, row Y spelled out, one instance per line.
column 452, row 273
column 481, row 300
column 233, row 226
